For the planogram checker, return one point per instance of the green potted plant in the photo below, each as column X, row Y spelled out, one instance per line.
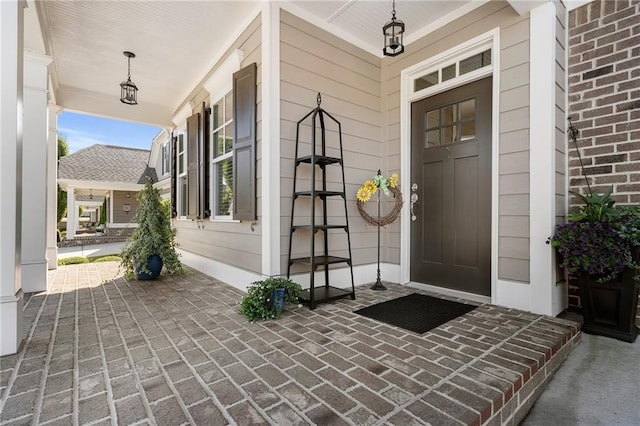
column 265, row 299
column 152, row 244
column 599, row 246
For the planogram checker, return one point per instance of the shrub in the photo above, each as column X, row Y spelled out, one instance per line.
column 108, row 258
column 257, row 304
column 74, row 260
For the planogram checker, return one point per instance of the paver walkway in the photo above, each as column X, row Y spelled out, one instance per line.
column 104, row 350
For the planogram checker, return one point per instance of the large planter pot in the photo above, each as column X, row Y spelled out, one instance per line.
column 609, row 309
column 154, row 265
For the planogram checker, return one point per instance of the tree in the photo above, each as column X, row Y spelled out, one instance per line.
column 63, row 149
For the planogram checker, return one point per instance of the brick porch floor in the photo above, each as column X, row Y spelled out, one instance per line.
column 102, row 350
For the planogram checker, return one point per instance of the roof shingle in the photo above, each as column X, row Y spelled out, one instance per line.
column 107, row 163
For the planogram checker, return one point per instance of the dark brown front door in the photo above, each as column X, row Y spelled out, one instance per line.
column 451, row 175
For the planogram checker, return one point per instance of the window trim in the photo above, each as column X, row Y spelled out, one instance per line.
column 179, row 207
column 213, row 201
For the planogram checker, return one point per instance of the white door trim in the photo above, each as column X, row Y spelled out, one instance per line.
column 407, row 96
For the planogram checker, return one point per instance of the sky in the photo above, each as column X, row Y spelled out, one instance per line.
column 82, row 131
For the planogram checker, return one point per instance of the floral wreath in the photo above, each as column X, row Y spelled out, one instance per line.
column 387, row 186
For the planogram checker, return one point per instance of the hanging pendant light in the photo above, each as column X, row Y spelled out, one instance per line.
column 393, row 34
column 128, row 89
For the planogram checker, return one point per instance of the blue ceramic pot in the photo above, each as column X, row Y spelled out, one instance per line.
column 154, row 265
column 278, row 299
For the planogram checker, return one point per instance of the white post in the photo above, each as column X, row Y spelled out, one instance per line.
column 271, row 237
column 11, row 63
column 34, row 178
column 52, row 187
column 72, row 213
column 543, row 291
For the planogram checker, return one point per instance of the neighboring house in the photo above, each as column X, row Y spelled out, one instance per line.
column 491, row 179
column 160, row 161
column 103, row 171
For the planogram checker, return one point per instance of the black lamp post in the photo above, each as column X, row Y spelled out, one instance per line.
column 128, row 89
column 393, row 34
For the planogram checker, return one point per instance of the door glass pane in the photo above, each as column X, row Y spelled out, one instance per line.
column 449, row 72
column 467, row 130
column 433, row 138
column 468, row 109
column 425, row 81
column 449, row 134
column 433, row 118
column 224, row 183
column 450, row 114
column 180, row 163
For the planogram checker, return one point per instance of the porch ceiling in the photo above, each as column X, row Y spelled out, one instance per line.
column 177, row 42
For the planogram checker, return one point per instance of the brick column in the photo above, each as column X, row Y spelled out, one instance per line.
column 11, row 62
column 604, row 100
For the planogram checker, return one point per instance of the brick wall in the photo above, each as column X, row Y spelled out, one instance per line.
column 604, row 96
column 604, row 100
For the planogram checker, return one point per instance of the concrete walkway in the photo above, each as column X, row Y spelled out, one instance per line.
column 90, row 250
column 101, row 349
column 598, row 384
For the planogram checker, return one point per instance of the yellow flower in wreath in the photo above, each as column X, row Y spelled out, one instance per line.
column 370, row 186
column 363, row 194
column 393, row 180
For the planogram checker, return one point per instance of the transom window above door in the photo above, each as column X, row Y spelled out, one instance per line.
column 451, row 71
column 450, row 124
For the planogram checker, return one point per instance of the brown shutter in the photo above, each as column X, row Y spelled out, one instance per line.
column 174, row 175
column 204, row 178
column 193, row 142
column 244, row 144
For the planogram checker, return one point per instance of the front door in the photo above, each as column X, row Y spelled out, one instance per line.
column 451, row 175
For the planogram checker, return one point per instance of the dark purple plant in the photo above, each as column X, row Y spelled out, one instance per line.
column 595, row 248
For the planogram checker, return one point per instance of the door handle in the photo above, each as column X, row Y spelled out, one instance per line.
column 414, row 199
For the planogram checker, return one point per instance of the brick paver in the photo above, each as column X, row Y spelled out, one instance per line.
column 104, row 350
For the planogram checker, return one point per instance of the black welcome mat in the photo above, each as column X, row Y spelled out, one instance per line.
column 416, row 312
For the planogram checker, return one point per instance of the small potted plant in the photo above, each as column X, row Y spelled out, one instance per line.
column 599, row 247
column 265, row 299
column 152, row 244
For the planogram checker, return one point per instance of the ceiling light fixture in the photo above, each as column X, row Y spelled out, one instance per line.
column 128, row 89
column 90, row 194
column 393, row 34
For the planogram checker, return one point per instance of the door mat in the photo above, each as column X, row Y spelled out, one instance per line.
column 416, row 312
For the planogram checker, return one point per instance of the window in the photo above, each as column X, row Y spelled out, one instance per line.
column 213, row 164
column 165, row 158
column 182, row 176
column 453, row 70
column 222, row 157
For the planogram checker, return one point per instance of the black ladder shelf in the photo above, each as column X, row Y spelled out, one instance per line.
column 325, row 292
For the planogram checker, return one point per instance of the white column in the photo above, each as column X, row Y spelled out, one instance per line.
column 11, row 61
column 72, row 213
column 270, row 197
column 34, row 177
column 543, row 291
column 52, row 187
